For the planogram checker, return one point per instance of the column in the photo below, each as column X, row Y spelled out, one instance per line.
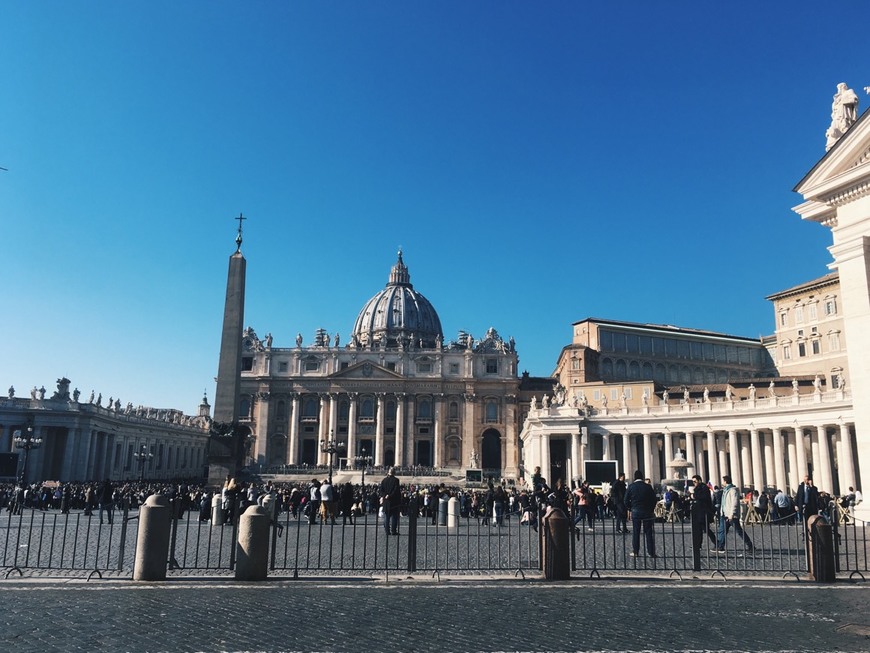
column 691, row 455
column 545, row 457
column 322, row 428
column 800, row 448
column 88, row 454
column 778, row 460
column 826, row 482
column 400, row 428
column 260, row 452
column 438, row 460
column 734, row 458
column 73, row 436
column 293, row 445
column 469, row 438
column 767, row 469
column 648, row 456
column 713, row 474
column 791, row 479
column 745, row 461
column 333, row 427
column 606, row 447
column 626, row 457
column 379, row 432
column 845, row 459
column 576, row 467
column 511, row 436
column 669, row 453
column 352, row 446
column 757, row 477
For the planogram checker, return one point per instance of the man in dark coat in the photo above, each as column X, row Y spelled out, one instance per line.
column 807, row 499
column 640, row 501
column 702, row 515
column 391, row 500
column 617, row 493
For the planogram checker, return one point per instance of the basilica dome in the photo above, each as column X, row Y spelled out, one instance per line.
column 398, row 316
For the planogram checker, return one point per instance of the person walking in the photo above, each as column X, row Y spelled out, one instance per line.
column 346, row 499
column 729, row 515
column 702, row 517
column 640, row 501
column 105, row 499
column 391, row 498
column 617, row 494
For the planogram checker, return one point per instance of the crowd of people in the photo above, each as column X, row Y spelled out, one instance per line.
column 714, row 510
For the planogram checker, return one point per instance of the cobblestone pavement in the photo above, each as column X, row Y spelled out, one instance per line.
column 406, row 614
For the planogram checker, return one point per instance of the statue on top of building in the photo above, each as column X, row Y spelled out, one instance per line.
column 844, row 113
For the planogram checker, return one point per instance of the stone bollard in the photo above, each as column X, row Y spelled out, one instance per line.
column 453, row 513
column 442, row 511
column 556, row 536
column 252, row 550
column 152, row 544
column 217, row 510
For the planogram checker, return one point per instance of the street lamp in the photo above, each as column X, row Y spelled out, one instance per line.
column 142, row 456
column 26, row 442
column 364, row 462
column 331, row 447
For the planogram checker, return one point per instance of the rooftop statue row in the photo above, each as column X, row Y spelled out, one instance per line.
column 491, row 342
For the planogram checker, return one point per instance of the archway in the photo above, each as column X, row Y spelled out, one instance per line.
column 491, row 451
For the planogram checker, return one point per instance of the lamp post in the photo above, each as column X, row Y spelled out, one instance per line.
column 142, row 456
column 364, row 462
column 26, row 442
column 331, row 447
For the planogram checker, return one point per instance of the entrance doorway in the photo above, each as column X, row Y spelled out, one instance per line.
column 491, row 452
column 558, row 462
column 424, row 453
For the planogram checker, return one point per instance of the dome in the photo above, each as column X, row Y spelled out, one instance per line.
column 398, row 314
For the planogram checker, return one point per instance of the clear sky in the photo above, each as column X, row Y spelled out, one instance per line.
column 538, row 162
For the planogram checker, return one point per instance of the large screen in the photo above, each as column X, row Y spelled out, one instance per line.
column 600, row 471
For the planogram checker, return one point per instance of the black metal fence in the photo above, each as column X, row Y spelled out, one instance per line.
column 45, row 542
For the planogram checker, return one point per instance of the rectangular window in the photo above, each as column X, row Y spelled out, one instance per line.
column 830, row 307
column 596, row 395
column 614, row 394
column 783, row 318
column 814, row 315
column 310, row 366
column 627, row 393
column 247, row 363
column 424, row 367
column 682, row 349
column 834, row 342
column 391, row 367
column 697, row 351
column 282, row 366
column 786, row 352
column 817, row 347
column 454, row 368
column 606, row 341
column 492, row 366
column 631, row 343
column 802, row 349
column 799, row 314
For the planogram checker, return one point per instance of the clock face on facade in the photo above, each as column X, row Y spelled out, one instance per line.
column 247, row 343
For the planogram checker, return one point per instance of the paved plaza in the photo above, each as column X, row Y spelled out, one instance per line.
column 405, row 614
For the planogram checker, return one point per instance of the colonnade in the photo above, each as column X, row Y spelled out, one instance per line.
column 451, row 424
column 754, row 457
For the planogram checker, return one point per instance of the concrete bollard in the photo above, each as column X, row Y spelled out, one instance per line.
column 442, row 511
column 152, row 544
column 453, row 513
column 556, row 535
column 252, row 550
column 217, row 510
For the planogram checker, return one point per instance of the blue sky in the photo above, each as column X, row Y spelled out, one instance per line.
column 538, row 163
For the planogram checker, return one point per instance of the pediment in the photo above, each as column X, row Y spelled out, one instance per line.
column 843, row 168
column 366, row 370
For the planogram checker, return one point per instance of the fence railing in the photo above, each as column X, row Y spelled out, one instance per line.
column 42, row 542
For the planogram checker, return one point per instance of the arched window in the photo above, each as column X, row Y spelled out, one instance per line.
column 391, row 411
column 453, row 410
column 245, row 409
column 367, row 408
column 424, row 408
column 646, row 371
column 620, row 370
column 343, row 410
column 607, row 369
column 633, row 370
column 280, row 410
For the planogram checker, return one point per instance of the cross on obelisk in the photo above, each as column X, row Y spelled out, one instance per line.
column 239, row 237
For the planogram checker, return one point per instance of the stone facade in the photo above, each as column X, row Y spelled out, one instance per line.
column 396, row 391
column 88, row 441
